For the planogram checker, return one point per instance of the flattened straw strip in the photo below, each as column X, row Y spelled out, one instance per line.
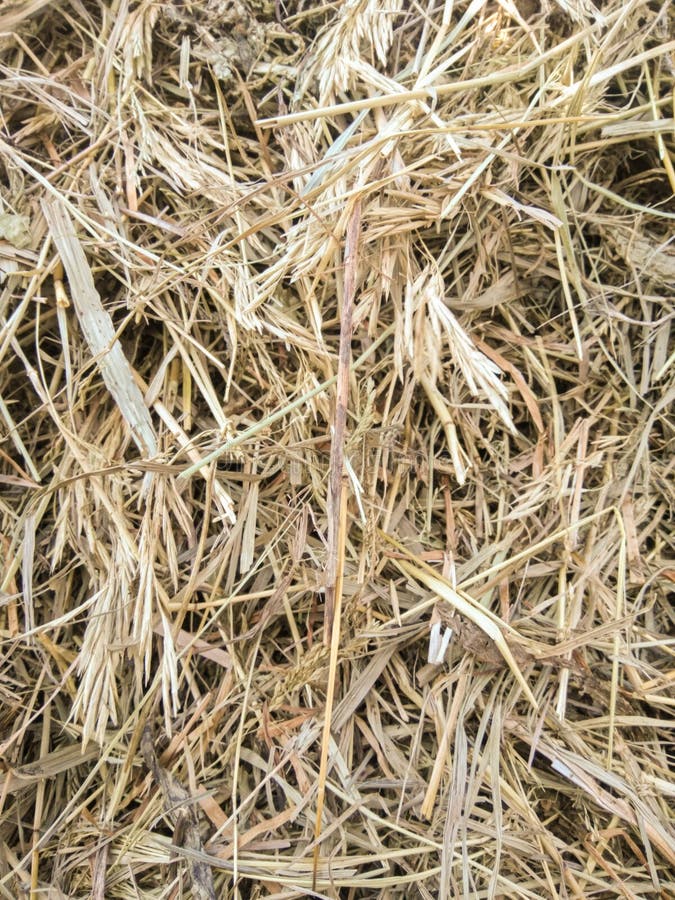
column 98, row 328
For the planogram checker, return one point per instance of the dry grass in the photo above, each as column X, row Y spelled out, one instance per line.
column 321, row 334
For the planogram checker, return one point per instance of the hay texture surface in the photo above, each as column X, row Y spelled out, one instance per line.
column 336, row 449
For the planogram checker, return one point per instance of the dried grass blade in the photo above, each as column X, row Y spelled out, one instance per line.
column 15, row 434
column 337, row 511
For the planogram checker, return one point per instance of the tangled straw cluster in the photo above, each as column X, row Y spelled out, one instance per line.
column 183, row 487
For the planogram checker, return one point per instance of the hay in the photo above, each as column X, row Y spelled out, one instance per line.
column 336, row 479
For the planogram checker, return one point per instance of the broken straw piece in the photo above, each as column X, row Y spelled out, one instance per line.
column 438, row 645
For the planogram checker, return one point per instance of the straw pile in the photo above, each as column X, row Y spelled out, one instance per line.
column 336, row 475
